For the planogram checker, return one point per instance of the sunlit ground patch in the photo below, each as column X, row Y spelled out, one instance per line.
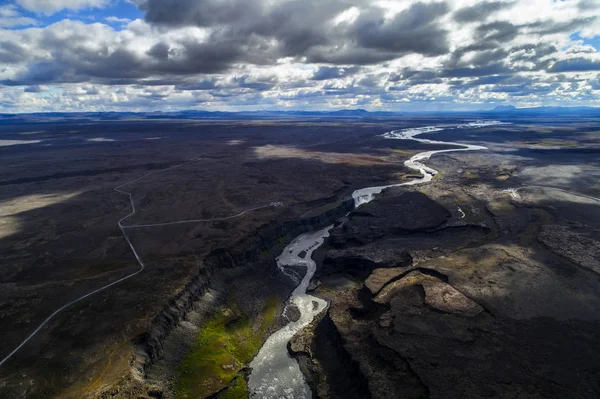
column 562, row 175
column 6, row 143
column 9, row 221
column 547, row 143
column 9, row 225
column 26, row 203
column 286, row 152
column 100, row 140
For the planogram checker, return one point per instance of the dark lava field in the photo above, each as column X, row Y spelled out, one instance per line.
column 484, row 282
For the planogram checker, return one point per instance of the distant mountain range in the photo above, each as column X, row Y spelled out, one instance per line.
column 507, row 110
column 510, row 109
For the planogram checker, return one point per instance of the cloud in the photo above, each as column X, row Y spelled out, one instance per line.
column 479, row 12
column 33, row 89
column 305, row 28
column 576, row 65
column 585, row 5
column 325, row 73
column 200, row 13
column 298, row 53
column 11, row 52
column 11, row 17
column 413, row 30
column 118, row 20
column 49, row 7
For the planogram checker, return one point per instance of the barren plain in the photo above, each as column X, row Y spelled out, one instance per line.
column 482, row 283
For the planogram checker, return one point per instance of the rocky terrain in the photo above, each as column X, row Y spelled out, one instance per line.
column 60, row 238
column 459, row 289
column 456, row 288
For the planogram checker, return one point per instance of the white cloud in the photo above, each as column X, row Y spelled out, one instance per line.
column 118, row 20
column 507, row 54
column 49, row 7
column 10, row 17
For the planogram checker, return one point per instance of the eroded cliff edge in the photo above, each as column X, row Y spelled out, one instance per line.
column 447, row 292
column 240, row 273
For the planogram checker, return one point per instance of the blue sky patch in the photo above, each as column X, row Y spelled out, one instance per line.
column 594, row 41
column 117, row 14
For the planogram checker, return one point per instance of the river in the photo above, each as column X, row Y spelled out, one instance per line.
column 275, row 374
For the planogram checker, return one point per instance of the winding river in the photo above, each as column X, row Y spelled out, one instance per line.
column 275, row 374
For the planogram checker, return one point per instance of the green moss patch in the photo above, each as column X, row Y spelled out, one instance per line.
column 530, row 234
column 471, row 175
column 404, row 152
column 224, row 345
column 238, row 389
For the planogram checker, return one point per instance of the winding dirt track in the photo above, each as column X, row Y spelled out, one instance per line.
column 135, row 253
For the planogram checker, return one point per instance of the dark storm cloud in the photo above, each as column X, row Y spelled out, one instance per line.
column 33, row 89
column 204, row 84
column 373, row 39
column 40, row 73
column 413, row 78
column 576, row 65
column 192, row 57
column 154, row 96
column 508, row 89
column 413, row 30
column 488, row 57
column 12, row 53
column 585, row 5
column 263, row 50
column 369, row 81
column 481, row 11
column 325, row 73
column 348, row 55
column 500, row 79
column 471, row 66
column 301, row 29
column 526, row 90
column 262, row 84
column 491, row 69
column 532, row 52
column 200, row 13
column 552, row 27
column 477, row 60
column 499, row 31
column 295, row 25
column 72, row 63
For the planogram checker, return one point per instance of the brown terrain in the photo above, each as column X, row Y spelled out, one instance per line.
column 500, row 301
column 455, row 288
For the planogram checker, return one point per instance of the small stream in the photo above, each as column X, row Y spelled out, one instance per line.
column 275, row 374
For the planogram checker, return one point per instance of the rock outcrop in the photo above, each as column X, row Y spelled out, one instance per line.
column 443, row 315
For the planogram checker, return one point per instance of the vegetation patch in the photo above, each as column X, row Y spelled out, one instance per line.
column 238, row 389
column 471, row 175
column 411, row 176
column 265, row 253
column 549, row 143
column 224, row 345
column 530, row 234
column 403, row 152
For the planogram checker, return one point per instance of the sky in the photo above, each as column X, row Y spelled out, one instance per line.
column 236, row 55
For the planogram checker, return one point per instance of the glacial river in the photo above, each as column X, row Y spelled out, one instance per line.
column 275, row 374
